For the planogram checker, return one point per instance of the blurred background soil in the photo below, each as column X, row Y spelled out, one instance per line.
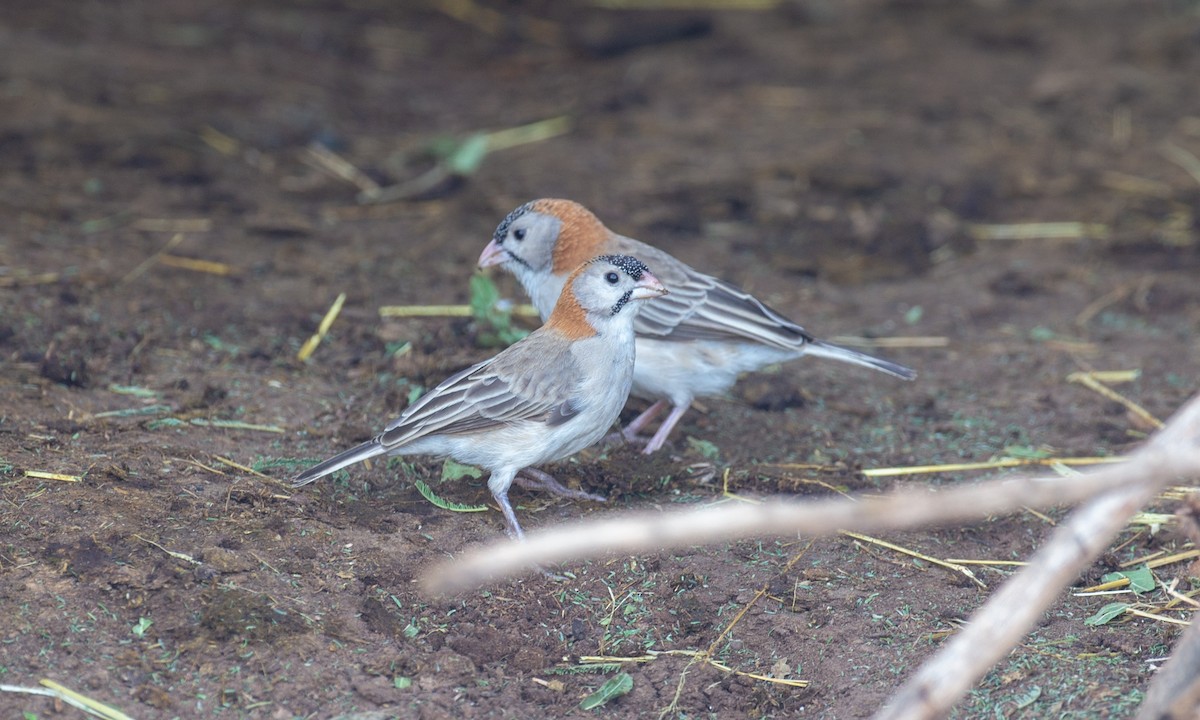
column 185, row 188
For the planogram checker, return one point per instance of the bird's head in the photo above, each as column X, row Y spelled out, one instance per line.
column 603, row 291
column 546, row 237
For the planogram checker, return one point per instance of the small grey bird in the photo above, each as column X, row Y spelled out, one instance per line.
column 692, row 344
column 545, row 397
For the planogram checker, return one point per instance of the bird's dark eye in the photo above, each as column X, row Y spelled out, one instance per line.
column 612, row 278
column 519, row 234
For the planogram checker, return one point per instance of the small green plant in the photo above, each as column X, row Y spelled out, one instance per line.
column 1107, row 614
column 452, row 470
column 1141, row 579
column 494, row 318
column 143, row 624
column 439, row 501
column 707, row 450
column 616, row 686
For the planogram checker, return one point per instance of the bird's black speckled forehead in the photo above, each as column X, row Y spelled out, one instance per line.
column 630, row 265
column 502, row 228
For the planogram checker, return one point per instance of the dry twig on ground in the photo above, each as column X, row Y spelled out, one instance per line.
column 1112, row 495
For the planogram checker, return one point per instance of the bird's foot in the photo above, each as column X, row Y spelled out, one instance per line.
column 533, row 479
column 625, row 437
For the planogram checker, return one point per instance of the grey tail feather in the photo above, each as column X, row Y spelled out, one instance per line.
column 835, row 352
column 369, row 449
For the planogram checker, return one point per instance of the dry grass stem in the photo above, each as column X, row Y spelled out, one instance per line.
column 219, row 141
column 526, row 134
column 243, row 468
column 149, row 262
column 1135, row 185
column 22, row 280
column 41, row 475
column 996, row 563
column 236, row 425
column 1092, row 382
column 1172, row 559
column 172, row 553
column 339, row 167
column 1158, row 617
column 1139, row 289
column 210, row 267
column 311, row 344
column 70, row 697
column 173, row 225
column 1183, row 158
column 445, row 311
column 949, row 565
column 1039, row 231
column 988, row 465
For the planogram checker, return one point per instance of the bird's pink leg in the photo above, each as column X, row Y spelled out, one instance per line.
column 510, row 518
column 534, row 479
column 499, row 483
column 635, row 426
column 665, row 429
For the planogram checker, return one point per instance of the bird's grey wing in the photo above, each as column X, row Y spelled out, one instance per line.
column 534, row 383
column 701, row 307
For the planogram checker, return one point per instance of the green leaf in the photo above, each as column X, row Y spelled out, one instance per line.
column 1026, row 452
column 143, row 624
column 1041, row 334
column 452, row 470
column 444, row 504
column 704, row 447
column 401, row 682
column 484, row 296
column 134, row 390
column 1141, row 579
column 616, row 686
column 468, row 156
column 1027, row 698
column 495, row 321
column 1107, row 614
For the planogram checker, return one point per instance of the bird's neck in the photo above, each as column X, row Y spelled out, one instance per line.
column 545, row 294
column 570, row 319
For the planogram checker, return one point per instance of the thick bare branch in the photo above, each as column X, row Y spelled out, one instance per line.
column 1115, row 493
column 644, row 532
column 902, row 509
column 1174, row 693
column 1005, row 618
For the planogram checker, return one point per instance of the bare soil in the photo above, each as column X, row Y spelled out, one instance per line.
column 838, row 159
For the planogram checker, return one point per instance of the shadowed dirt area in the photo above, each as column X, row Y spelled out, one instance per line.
column 871, row 169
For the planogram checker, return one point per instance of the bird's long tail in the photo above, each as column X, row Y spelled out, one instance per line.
column 369, row 449
column 835, row 352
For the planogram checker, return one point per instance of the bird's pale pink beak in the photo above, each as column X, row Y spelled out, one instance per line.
column 493, row 254
column 648, row 287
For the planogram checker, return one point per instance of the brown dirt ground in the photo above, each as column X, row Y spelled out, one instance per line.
column 832, row 157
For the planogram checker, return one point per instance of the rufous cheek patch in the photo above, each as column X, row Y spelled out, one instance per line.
column 569, row 318
column 581, row 238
